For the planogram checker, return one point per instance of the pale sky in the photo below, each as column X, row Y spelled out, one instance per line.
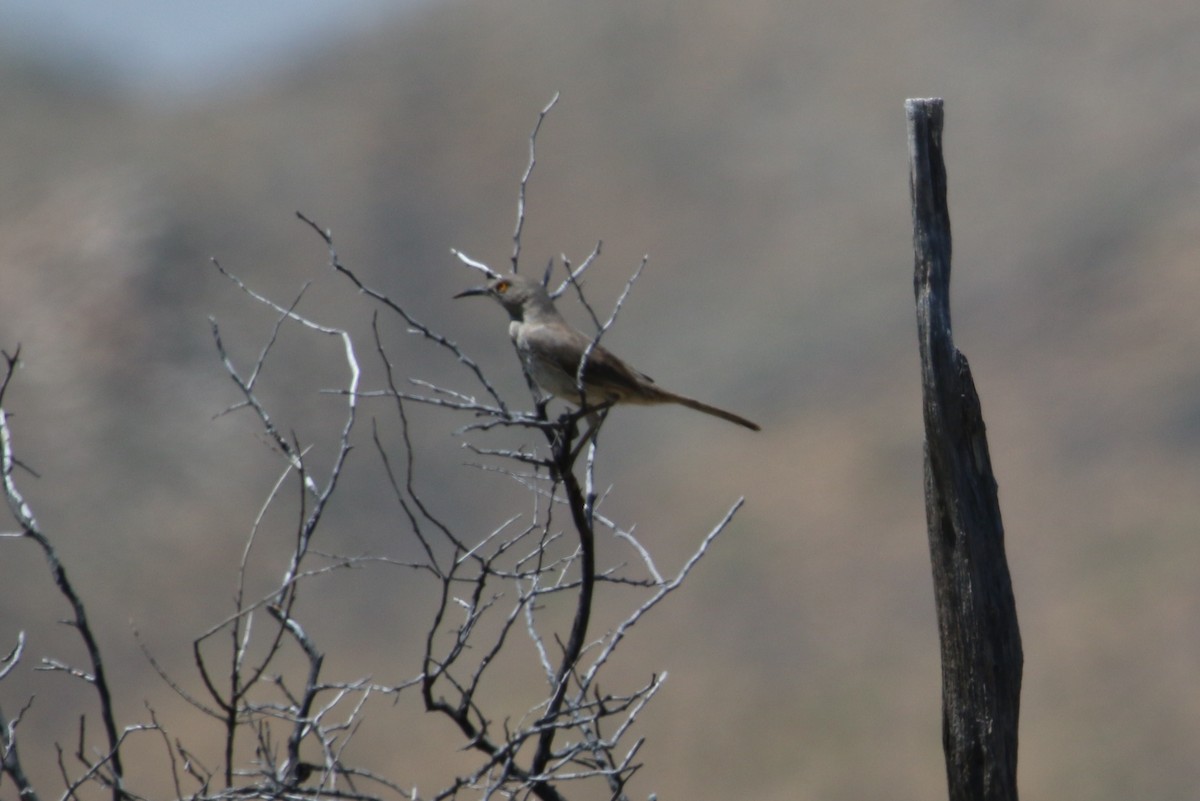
column 182, row 46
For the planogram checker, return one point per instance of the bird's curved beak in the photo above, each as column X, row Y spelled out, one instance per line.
column 475, row 290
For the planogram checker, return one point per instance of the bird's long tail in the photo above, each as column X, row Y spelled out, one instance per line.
column 691, row 403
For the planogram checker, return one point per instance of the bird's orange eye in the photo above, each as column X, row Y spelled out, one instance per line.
column 502, row 287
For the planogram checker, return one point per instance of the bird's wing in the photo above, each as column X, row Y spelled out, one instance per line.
column 563, row 347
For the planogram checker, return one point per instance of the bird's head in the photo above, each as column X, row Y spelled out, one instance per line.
column 517, row 294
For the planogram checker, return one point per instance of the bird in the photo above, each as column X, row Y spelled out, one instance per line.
column 551, row 351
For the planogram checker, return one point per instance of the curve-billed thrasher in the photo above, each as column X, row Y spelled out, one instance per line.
column 551, row 351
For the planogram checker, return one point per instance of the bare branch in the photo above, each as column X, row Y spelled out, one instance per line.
column 13, row 657
column 415, row 325
column 574, row 275
column 28, row 522
column 474, row 264
column 516, row 255
column 10, row 758
column 601, row 328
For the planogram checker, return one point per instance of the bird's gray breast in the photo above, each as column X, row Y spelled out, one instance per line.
column 545, row 358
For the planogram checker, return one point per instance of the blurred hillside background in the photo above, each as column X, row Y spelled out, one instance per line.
column 756, row 151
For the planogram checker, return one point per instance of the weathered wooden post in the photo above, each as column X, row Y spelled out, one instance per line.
column 977, row 617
